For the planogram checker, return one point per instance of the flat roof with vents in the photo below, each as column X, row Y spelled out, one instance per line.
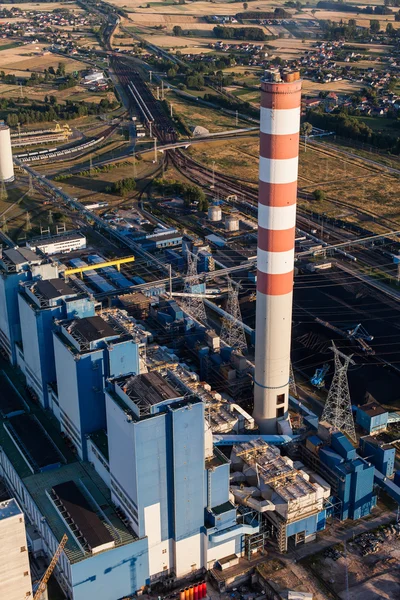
column 84, row 521
column 37, row 448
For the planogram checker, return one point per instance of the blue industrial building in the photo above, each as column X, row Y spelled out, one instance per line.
column 17, row 265
column 161, row 241
column 88, row 351
column 41, row 302
column 162, row 437
column 350, row 476
column 372, row 417
column 381, row 455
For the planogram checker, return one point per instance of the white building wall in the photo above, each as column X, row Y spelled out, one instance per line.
column 15, row 575
column 159, row 551
column 189, row 554
column 220, row 551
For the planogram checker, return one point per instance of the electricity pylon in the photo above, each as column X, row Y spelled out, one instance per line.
column 193, row 304
column 337, row 410
column 292, row 382
column 232, row 331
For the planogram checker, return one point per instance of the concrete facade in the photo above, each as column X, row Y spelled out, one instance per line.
column 15, row 574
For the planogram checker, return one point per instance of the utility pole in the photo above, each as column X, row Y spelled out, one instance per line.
column 193, row 305
column 171, row 111
column 213, row 175
column 150, row 127
column 162, row 89
column 337, row 410
column 90, row 165
column 31, row 189
column 158, row 93
column 155, row 150
column 150, row 75
column 3, row 191
column 170, row 280
column 232, row 330
column 292, row 381
column 237, row 118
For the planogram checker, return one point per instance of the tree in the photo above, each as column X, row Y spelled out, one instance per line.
column 306, row 128
column 245, row 5
column 374, row 26
column 319, row 195
column 389, row 29
column 397, row 16
column 177, row 30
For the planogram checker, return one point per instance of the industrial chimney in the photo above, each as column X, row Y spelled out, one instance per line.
column 279, row 149
column 6, row 159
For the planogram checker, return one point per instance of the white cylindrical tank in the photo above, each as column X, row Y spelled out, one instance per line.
column 214, row 213
column 6, row 159
column 232, row 223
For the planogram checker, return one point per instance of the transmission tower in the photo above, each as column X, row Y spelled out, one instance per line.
column 193, row 305
column 4, row 226
column 292, row 382
column 232, row 331
column 50, row 218
column 337, row 410
column 28, row 225
column 3, row 191
column 31, row 189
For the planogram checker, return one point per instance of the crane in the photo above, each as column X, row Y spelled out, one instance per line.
column 43, row 582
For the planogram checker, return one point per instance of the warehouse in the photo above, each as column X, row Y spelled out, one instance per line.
column 58, row 244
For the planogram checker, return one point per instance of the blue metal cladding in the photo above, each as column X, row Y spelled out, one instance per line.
column 382, row 458
column 308, row 525
column 9, row 310
column 123, row 358
column 219, row 483
column 113, row 274
column 188, row 468
column 83, row 307
column 117, row 573
column 37, row 339
column 371, row 423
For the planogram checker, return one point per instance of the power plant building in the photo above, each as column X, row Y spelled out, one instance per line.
column 6, row 158
column 60, row 243
column 15, row 572
column 17, row 265
column 41, row 302
column 279, row 148
column 87, row 351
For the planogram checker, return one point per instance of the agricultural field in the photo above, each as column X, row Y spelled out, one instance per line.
column 22, row 60
column 342, row 180
column 197, row 115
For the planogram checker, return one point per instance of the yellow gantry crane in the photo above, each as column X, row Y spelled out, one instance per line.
column 43, row 582
column 111, row 263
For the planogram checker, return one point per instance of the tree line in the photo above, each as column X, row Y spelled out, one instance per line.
column 239, row 33
column 40, row 112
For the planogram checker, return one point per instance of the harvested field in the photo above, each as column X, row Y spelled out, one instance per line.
column 342, row 87
column 211, row 119
column 23, row 60
column 46, row 6
column 343, row 180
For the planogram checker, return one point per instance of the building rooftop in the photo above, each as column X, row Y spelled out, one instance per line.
column 55, row 239
column 149, row 389
column 372, row 409
column 53, row 288
column 20, row 256
column 9, row 508
column 91, row 329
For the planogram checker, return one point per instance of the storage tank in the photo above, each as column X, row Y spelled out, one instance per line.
column 232, row 223
column 6, row 160
column 214, row 213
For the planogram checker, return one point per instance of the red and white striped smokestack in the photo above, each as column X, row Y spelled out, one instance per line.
column 279, row 154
